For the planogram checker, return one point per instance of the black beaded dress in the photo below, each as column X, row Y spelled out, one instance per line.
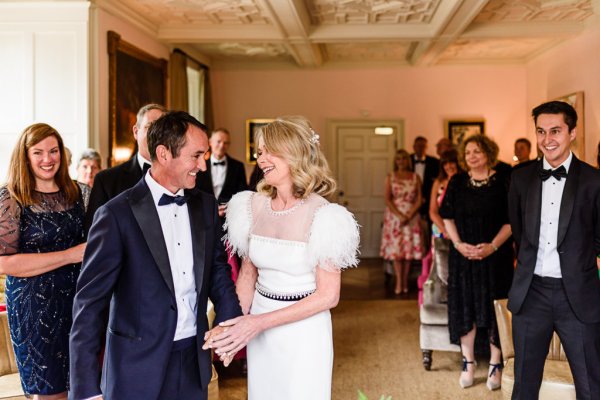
column 479, row 209
column 40, row 307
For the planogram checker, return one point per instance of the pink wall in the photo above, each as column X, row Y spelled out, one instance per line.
column 422, row 97
column 107, row 22
column 571, row 67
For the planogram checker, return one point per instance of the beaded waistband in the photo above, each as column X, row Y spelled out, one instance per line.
column 282, row 296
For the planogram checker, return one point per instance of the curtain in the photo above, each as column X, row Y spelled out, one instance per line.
column 179, row 81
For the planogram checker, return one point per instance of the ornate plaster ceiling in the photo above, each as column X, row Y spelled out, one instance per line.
column 317, row 33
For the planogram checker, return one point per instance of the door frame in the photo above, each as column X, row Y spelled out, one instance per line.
column 331, row 137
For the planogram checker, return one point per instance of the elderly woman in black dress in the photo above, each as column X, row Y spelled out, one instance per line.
column 475, row 214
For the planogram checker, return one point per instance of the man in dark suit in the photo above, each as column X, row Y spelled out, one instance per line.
column 554, row 209
column 154, row 257
column 224, row 175
column 111, row 182
column 428, row 168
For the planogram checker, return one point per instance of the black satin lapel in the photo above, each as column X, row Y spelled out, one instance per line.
column 533, row 210
column 568, row 200
column 146, row 216
column 197, row 225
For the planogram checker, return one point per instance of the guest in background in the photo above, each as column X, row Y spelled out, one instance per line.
column 294, row 244
column 480, row 265
column 442, row 146
column 401, row 239
column 448, row 168
column 522, row 153
column 112, row 181
column 427, row 168
column 224, row 175
column 90, row 163
column 41, row 247
column 68, row 156
column 258, row 174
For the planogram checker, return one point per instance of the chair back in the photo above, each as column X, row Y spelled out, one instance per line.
column 557, row 352
column 8, row 364
column 504, row 321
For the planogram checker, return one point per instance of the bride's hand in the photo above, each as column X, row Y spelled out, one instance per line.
column 236, row 334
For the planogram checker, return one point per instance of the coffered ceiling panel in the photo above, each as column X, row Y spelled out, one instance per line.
column 315, row 33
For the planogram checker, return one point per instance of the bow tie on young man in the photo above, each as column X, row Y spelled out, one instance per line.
column 219, row 163
column 558, row 173
column 165, row 199
column 419, row 161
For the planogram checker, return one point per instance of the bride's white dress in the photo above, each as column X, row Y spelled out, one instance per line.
column 292, row 361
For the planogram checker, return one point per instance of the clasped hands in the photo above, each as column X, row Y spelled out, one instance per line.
column 475, row 251
column 231, row 336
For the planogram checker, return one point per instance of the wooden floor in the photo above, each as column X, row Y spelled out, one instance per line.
column 367, row 282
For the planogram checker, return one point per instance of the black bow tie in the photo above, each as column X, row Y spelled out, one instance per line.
column 219, row 163
column 419, row 161
column 145, row 168
column 166, row 199
column 558, row 173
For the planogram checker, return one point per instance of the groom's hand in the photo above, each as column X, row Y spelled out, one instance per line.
column 209, row 337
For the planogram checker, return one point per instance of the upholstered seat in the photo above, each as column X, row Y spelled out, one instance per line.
column 557, row 382
column 433, row 332
column 10, row 384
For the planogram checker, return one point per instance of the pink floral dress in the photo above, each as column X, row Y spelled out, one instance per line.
column 402, row 242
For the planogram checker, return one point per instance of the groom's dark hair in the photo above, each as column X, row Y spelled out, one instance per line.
column 557, row 107
column 169, row 130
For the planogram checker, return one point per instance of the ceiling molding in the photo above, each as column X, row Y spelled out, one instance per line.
column 120, row 9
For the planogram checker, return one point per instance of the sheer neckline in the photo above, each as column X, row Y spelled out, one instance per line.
column 283, row 212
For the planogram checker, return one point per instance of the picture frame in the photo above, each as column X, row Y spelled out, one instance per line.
column 252, row 126
column 576, row 101
column 458, row 130
column 135, row 79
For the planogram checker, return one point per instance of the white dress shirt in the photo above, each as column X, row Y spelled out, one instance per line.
column 548, row 261
column 175, row 225
column 218, row 174
column 141, row 161
column 420, row 167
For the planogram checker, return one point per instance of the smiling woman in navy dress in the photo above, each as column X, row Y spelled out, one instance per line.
column 41, row 246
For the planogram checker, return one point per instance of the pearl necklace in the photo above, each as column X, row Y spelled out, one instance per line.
column 479, row 182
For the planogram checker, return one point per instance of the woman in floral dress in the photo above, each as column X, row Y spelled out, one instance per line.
column 401, row 240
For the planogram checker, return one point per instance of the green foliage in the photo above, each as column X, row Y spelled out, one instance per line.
column 362, row 396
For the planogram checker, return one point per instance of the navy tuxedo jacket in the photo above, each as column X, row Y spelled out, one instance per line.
column 235, row 180
column 126, row 268
column 578, row 235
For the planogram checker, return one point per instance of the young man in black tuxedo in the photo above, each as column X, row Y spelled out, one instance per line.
column 554, row 210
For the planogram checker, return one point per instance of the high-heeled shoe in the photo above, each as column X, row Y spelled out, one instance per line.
column 495, row 370
column 466, row 382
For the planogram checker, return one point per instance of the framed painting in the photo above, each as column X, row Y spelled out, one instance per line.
column 576, row 101
column 252, row 126
column 135, row 78
column 460, row 129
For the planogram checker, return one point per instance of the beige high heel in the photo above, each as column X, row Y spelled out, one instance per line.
column 495, row 370
column 466, row 382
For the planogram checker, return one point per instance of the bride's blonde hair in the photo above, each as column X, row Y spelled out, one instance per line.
column 293, row 139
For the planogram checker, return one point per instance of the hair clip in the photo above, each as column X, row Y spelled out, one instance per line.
column 314, row 139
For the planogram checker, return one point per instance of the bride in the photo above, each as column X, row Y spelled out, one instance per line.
column 294, row 244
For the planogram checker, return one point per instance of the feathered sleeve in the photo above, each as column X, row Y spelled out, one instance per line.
column 334, row 238
column 238, row 220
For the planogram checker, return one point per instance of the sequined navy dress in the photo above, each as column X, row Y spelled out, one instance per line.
column 40, row 307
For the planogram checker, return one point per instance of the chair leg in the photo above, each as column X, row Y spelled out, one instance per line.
column 427, row 354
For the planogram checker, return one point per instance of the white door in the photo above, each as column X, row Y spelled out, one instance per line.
column 360, row 160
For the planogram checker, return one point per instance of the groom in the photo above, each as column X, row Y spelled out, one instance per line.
column 154, row 256
column 554, row 209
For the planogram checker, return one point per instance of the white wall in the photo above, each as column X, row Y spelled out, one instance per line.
column 43, row 72
column 571, row 67
column 422, row 97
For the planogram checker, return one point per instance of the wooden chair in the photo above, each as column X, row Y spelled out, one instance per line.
column 10, row 384
column 557, row 382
